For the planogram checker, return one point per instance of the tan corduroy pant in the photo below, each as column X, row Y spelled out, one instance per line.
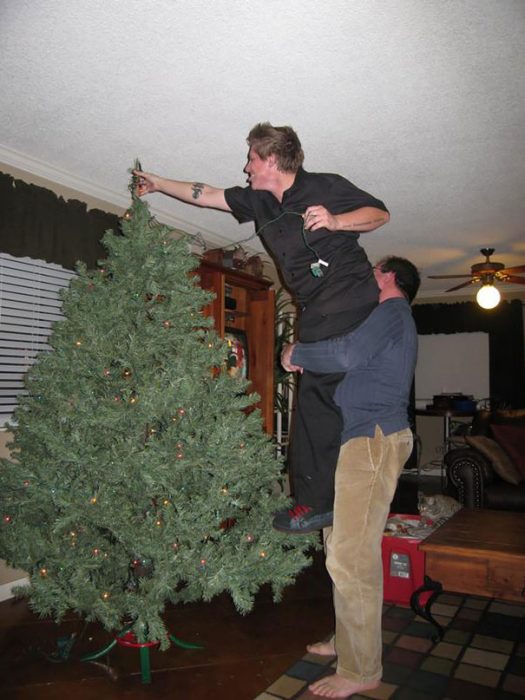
column 365, row 482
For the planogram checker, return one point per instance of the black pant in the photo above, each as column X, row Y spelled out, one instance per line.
column 316, row 439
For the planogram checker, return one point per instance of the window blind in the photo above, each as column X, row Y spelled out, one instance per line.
column 29, row 305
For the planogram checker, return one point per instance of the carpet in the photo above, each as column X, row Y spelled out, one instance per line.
column 481, row 655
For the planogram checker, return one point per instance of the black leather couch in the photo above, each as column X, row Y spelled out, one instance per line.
column 471, row 473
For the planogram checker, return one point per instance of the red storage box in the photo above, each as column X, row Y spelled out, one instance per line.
column 403, row 563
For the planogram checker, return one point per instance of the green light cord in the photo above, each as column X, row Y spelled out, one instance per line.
column 272, row 221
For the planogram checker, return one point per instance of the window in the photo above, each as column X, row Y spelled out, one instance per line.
column 29, row 305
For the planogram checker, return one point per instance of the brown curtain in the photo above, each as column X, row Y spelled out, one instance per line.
column 36, row 223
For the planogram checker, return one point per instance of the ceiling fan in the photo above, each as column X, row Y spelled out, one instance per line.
column 487, row 273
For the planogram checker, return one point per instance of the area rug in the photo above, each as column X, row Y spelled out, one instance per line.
column 481, row 655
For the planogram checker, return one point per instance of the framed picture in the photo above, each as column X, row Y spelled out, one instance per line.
column 237, row 359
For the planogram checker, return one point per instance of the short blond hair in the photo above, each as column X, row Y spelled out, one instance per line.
column 281, row 141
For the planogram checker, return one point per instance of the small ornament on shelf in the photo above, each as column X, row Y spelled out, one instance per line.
column 235, row 258
column 254, row 266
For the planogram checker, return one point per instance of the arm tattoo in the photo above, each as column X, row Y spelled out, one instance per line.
column 368, row 223
column 197, row 189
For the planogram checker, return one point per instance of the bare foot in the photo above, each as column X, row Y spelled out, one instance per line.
column 322, row 648
column 336, row 686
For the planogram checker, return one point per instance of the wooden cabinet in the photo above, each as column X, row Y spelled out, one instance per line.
column 247, row 304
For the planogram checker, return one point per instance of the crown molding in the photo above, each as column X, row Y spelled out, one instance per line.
column 34, row 166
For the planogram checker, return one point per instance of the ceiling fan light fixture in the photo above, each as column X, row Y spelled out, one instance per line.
column 488, row 296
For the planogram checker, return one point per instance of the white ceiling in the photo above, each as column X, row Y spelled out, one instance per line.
column 421, row 102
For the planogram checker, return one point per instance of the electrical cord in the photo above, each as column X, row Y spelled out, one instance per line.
column 315, row 267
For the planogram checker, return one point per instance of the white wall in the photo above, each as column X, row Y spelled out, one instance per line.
column 452, row 363
column 448, row 363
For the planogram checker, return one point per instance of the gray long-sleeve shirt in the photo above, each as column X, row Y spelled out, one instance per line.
column 379, row 358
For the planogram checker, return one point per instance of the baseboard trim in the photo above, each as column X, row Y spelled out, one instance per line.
column 6, row 589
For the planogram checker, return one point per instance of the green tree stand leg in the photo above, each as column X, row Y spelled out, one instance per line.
column 97, row 654
column 184, row 645
column 145, row 666
column 144, row 653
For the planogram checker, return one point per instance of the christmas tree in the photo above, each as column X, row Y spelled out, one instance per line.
column 137, row 479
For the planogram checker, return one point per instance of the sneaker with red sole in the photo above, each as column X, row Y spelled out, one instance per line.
column 302, row 519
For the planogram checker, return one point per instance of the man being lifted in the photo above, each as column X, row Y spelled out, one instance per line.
column 310, row 223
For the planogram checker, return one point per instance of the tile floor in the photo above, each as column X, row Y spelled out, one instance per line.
column 481, row 655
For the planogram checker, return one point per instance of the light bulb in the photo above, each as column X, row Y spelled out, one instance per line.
column 488, row 297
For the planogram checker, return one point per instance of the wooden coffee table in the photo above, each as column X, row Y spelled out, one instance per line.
column 477, row 552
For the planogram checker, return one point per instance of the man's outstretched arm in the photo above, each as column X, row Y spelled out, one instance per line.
column 197, row 193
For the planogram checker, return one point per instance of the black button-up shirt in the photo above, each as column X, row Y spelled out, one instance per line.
column 346, row 293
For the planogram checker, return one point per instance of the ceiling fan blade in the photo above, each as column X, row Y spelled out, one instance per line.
column 513, row 270
column 459, row 286
column 512, row 279
column 446, row 277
